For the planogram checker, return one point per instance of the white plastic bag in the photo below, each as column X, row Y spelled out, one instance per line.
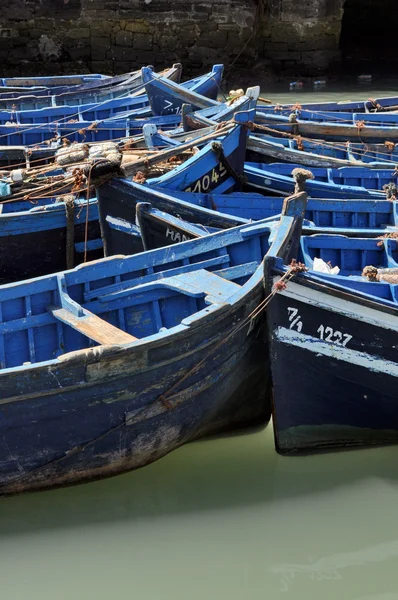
column 322, row 267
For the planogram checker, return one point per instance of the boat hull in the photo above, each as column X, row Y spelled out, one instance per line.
column 101, row 410
column 35, row 243
column 334, row 370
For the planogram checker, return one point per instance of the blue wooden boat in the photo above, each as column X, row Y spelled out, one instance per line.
column 105, row 109
column 42, row 142
column 166, row 217
column 345, row 182
column 389, row 119
column 356, row 106
column 89, row 385
column 96, row 91
column 241, row 207
column 335, row 116
column 363, row 128
column 159, row 228
column 83, row 131
column 320, row 153
column 167, row 98
column 19, row 93
column 196, row 124
column 216, row 166
column 50, row 81
column 123, row 124
column 22, row 156
column 337, row 333
column 43, row 237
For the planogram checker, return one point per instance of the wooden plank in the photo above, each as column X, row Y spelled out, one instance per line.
column 93, row 327
column 197, row 284
column 127, row 285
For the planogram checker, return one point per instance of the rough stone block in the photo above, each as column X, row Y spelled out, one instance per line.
column 123, row 38
column 78, row 34
column 101, row 14
column 79, row 52
column 99, row 48
column 98, row 28
column 219, row 18
column 119, row 54
column 142, row 41
column 229, row 27
column 137, row 26
column 102, row 66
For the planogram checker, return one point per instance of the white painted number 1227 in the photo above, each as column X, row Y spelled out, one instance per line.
column 330, row 335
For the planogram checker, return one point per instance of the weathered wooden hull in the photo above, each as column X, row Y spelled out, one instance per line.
column 83, row 131
column 350, row 182
column 356, row 106
column 137, row 104
column 334, row 130
column 167, row 98
column 334, row 369
column 96, row 91
column 117, row 200
column 100, row 412
column 273, row 150
column 34, row 243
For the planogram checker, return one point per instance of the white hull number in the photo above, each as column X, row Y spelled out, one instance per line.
column 325, row 333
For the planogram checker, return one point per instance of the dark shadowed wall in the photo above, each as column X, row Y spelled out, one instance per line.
column 54, row 36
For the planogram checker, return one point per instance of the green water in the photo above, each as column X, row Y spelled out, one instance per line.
column 221, row 518
column 225, row 518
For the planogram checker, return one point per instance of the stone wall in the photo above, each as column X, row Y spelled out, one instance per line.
column 55, row 36
column 301, row 36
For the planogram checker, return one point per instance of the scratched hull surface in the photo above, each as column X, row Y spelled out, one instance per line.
column 89, row 384
column 343, row 355
column 36, row 240
column 98, row 91
column 39, row 253
column 137, row 104
column 331, row 130
column 344, row 182
column 86, row 398
column 167, row 98
column 318, row 154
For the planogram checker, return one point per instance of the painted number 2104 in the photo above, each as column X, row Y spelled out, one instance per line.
column 208, row 181
column 332, row 335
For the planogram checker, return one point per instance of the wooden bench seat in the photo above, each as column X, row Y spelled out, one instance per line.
column 73, row 314
column 93, row 327
column 197, row 284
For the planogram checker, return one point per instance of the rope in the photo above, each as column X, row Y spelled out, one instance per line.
column 243, row 48
column 300, row 176
column 219, row 152
column 322, row 143
column 69, row 202
column 294, row 268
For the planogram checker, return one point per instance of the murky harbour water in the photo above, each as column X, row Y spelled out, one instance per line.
column 220, row 518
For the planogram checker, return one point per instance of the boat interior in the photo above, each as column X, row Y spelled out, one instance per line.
column 121, row 300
